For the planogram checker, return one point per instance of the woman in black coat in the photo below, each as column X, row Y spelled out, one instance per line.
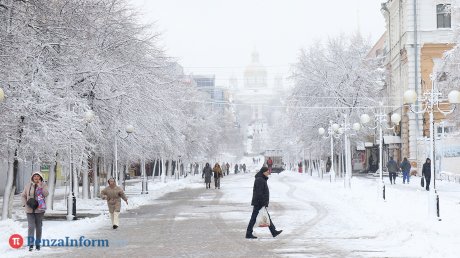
column 426, row 171
column 260, row 199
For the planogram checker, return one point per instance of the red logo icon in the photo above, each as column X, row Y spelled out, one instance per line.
column 16, row 241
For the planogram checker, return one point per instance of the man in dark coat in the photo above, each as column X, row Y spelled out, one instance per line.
column 207, row 174
column 405, row 167
column 392, row 169
column 260, row 199
column 426, row 171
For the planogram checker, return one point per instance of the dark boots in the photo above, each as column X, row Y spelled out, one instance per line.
column 250, row 236
column 277, row 232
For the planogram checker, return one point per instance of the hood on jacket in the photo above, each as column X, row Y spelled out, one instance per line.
column 36, row 173
column 261, row 172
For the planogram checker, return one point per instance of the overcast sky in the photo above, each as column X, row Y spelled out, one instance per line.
column 218, row 36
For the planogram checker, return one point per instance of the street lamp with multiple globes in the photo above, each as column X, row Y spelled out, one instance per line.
column 380, row 121
column 128, row 129
column 332, row 132
column 345, row 129
column 71, row 199
column 432, row 101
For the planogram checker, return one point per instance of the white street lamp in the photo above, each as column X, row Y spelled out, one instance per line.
column 432, row 99
column 71, row 199
column 346, row 130
column 128, row 129
column 89, row 116
column 331, row 133
column 380, row 121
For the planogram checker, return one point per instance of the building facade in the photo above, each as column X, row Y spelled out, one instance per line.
column 418, row 32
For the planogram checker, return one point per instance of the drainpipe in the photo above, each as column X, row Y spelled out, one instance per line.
column 416, row 80
column 385, row 8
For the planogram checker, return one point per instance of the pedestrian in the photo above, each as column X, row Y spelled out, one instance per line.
column 217, row 175
column 33, row 200
column 426, row 172
column 405, row 167
column 392, row 167
column 244, row 167
column 227, row 168
column 223, row 167
column 113, row 194
column 328, row 164
column 207, row 174
column 236, row 168
column 196, row 168
column 260, row 199
column 270, row 164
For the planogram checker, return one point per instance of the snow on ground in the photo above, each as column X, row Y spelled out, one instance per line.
column 315, row 210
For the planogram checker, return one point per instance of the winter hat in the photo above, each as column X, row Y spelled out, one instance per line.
column 36, row 173
column 263, row 169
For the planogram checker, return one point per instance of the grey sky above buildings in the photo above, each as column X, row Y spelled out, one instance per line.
column 218, row 36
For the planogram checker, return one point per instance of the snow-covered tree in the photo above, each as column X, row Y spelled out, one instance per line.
column 332, row 79
column 60, row 60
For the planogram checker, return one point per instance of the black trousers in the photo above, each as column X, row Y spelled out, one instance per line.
column 427, row 183
column 252, row 221
column 392, row 176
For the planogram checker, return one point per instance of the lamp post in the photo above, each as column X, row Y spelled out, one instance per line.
column 432, row 99
column 71, row 199
column 380, row 121
column 345, row 130
column 332, row 131
column 129, row 129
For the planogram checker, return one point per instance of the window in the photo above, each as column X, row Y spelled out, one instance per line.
column 443, row 15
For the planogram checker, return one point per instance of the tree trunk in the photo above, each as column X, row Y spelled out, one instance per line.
column 10, row 204
column 85, row 179
column 163, row 171
column 95, row 167
column 51, row 186
column 154, row 169
column 8, row 189
column 75, row 186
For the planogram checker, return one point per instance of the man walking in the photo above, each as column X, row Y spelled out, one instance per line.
column 260, row 199
column 405, row 167
column 392, row 167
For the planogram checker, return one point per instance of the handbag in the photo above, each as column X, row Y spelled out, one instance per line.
column 32, row 202
column 422, row 181
column 263, row 220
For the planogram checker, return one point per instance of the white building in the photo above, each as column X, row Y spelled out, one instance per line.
column 418, row 33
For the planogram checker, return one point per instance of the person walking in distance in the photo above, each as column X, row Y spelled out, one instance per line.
column 207, row 174
column 270, row 164
column 260, row 199
column 426, row 172
column 217, row 175
column 113, row 194
column 33, row 200
column 405, row 167
column 392, row 167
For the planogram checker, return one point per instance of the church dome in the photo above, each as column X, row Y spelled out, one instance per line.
column 255, row 74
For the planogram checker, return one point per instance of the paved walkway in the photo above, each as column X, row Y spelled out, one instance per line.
column 190, row 223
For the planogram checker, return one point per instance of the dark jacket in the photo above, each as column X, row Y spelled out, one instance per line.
column 405, row 166
column 392, row 166
column 260, row 192
column 426, row 170
column 207, row 173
